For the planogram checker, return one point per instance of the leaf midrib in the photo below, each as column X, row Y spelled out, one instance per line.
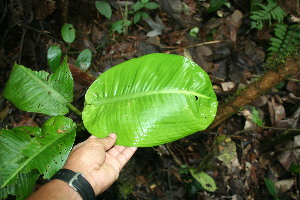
column 33, row 156
column 56, row 95
column 113, row 99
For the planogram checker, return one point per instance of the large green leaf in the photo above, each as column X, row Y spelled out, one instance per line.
column 46, row 152
column 150, row 100
column 36, row 91
column 23, row 186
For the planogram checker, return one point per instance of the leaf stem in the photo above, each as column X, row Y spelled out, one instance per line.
column 74, row 109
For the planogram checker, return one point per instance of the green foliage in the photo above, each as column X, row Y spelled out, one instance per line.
column 54, row 53
column 214, row 5
column 84, row 60
column 255, row 116
column 286, row 40
column 54, row 57
column 104, row 8
column 206, row 181
column 27, row 152
column 194, row 32
column 151, row 100
column 295, row 168
column 280, row 85
column 23, row 186
column 68, row 33
column 137, row 9
column 269, row 12
column 36, row 91
column 148, row 101
column 196, row 181
column 271, row 188
column 120, row 26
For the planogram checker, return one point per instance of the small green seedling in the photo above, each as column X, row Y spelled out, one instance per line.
column 137, row 11
column 54, row 53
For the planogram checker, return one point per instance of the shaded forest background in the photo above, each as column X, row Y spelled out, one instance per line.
column 239, row 153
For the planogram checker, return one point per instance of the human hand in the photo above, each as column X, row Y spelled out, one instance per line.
column 99, row 160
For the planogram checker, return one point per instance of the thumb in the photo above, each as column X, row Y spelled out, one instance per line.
column 109, row 141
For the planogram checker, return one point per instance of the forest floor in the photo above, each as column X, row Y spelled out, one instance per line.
column 237, row 154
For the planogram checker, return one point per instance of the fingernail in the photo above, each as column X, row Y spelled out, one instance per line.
column 112, row 135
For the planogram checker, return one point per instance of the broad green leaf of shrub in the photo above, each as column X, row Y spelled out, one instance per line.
column 23, row 186
column 53, row 57
column 36, row 91
column 151, row 100
column 84, row 59
column 104, row 8
column 21, row 153
column 206, row 181
column 68, row 33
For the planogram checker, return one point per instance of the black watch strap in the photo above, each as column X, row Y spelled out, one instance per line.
column 77, row 182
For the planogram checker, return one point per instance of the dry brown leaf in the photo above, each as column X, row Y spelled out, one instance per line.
column 25, row 121
column 276, row 110
column 290, row 156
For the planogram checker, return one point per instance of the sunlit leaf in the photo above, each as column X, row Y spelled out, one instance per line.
column 151, row 100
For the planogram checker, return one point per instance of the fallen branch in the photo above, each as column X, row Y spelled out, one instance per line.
column 256, row 89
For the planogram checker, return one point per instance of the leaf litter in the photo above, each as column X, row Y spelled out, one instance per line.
column 236, row 161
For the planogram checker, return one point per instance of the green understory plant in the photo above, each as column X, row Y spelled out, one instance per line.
column 286, row 39
column 54, row 53
column 214, row 5
column 271, row 188
column 196, row 181
column 266, row 13
column 147, row 101
column 137, row 10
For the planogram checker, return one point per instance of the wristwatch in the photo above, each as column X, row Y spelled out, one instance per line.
column 77, row 182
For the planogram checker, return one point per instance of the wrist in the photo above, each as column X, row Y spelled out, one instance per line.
column 77, row 182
